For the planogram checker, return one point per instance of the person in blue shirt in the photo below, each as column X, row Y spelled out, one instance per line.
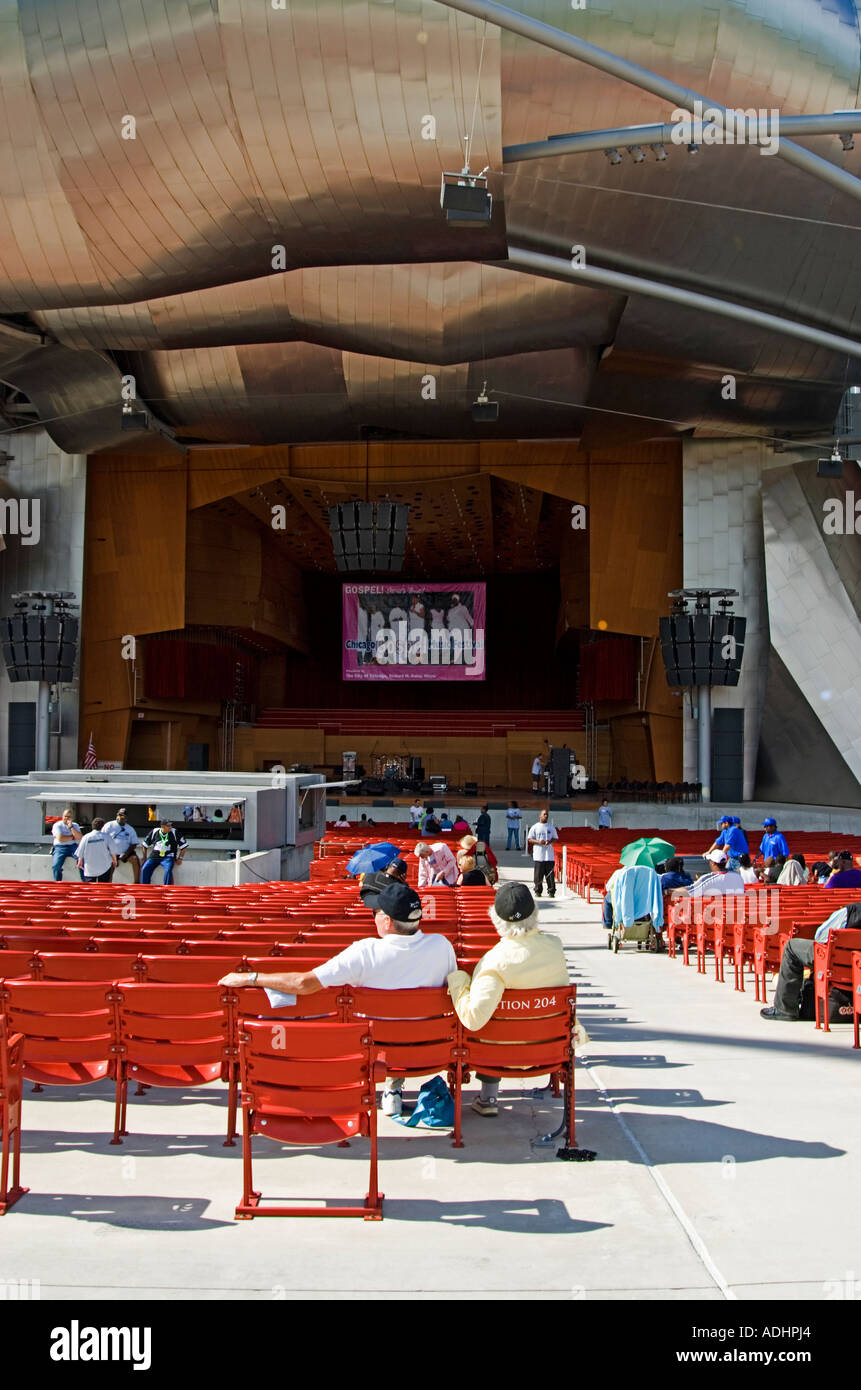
column 798, row 956
column 736, row 820
column 673, row 875
column 445, row 823
column 731, row 839
column 772, row 845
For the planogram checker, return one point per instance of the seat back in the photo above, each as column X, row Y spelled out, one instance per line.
column 68, row 1028
column 531, row 1032
column 415, row 1030
column 307, row 1082
column 178, row 1025
column 84, row 966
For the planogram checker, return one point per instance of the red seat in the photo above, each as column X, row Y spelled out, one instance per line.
column 415, row 1033
column 531, row 1034
column 174, row 1035
column 832, row 969
column 11, row 1088
column 14, row 964
column 68, row 1029
column 307, row 1084
column 92, row 966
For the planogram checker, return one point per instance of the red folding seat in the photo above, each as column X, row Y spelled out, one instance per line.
column 415, row 1034
column 174, row 1035
column 307, row 1084
column 189, row 970
column 68, row 1029
column 530, row 1034
column 15, row 964
column 832, row 969
column 11, row 1088
column 31, row 941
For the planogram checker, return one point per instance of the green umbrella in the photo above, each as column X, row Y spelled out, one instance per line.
column 650, row 852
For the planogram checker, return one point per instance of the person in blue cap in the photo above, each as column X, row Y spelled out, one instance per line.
column 736, row 820
column 731, row 839
column 772, row 843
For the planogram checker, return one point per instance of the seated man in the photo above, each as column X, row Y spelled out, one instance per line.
column 797, row 956
column 437, row 864
column 845, row 874
column 673, row 875
column 400, row 956
column 721, row 880
column 374, row 883
column 525, row 958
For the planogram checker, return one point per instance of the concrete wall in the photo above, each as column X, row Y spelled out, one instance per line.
column 39, row 470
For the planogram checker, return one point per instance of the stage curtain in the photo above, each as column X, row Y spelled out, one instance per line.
column 178, row 669
column 608, row 669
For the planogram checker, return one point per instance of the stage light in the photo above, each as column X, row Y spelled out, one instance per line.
column 464, row 198
column 484, row 410
column 369, row 536
column 636, row 153
column 614, row 156
column 848, row 142
column 134, row 419
column 693, row 149
column 832, row 467
column 660, row 152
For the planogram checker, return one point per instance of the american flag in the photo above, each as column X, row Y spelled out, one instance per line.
column 90, row 755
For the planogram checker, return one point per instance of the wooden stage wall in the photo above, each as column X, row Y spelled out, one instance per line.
column 152, row 566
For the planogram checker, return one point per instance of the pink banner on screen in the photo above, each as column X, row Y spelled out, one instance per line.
column 434, row 632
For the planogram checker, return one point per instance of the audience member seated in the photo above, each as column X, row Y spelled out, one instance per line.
column 722, row 880
column 400, row 956
column 374, row 883
column 820, row 872
column 460, row 826
column 633, row 894
column 845, row 875
column 342, row 823
column 798, row 957
column 674, row 875
column 525, row 958
column 748, row 873
column 794, row 871
column 445, row 824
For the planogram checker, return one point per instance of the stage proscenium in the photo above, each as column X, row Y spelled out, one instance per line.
column 430, row 633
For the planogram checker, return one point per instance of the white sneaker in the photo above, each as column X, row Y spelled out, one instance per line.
column 392, row 1102
column 485, row 1107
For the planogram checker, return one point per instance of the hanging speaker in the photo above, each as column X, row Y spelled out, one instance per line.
column 38, row 648
column 369, row 535
column 699, row 649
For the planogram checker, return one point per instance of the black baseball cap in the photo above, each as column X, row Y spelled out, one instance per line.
column 514, row 902
column 400, row 902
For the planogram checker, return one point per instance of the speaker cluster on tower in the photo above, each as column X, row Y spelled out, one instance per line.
column 702, row 648
column 369, row 535
column 39, row 647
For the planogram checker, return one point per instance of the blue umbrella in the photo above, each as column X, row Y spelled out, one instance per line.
column 371, row 858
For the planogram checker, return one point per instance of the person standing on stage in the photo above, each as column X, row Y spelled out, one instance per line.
column 437, row 614
column 537, row 773
column 417, row 614
column 541, row 836
column 123, row 840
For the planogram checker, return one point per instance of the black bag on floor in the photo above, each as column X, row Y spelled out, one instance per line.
column 839, row 1004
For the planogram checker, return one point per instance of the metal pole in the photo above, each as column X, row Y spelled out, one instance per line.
column 705, row 741
column 565, row 871
column 43, row 727
column 683, row 98
column 236, row 868
column 559, row 269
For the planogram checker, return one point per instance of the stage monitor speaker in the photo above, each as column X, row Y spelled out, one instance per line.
column 560, row 771
column 415, row 769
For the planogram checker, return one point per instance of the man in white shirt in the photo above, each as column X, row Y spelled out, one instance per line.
column 123, row 840
column 399, row 957
column 95, row 856
column 65, row 837
column 417, row 810
column 437, row 864
column 722, row 881
column 540, row 837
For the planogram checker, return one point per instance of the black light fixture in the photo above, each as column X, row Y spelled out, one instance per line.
column 369, row 535
column 832, row 467
column 483, row 409
column 134, row 419
column 464, row 197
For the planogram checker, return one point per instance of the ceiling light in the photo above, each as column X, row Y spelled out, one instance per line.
column 614, row 156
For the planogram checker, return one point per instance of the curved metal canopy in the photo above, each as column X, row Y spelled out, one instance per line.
column 239, row 205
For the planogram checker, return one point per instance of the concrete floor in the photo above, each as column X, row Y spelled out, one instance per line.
column 714, row 1130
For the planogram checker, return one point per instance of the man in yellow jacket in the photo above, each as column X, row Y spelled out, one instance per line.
column 525, row 958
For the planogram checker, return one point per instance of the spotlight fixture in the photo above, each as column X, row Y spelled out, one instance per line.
column 636, row 153
column 848, row 142
column 660, row 152
column 613, row 155
column 831, row 467
column 693, row 149
column 464, row 197
column 134, row 419
column 483, row 409
column 369, row 535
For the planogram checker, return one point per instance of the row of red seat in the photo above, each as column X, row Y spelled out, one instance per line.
column 297, row 1085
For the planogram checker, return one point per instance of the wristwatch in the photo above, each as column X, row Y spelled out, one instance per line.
column 253, row 980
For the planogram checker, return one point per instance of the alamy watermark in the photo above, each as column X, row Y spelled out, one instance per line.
column 21, row 516
column 714, row 125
